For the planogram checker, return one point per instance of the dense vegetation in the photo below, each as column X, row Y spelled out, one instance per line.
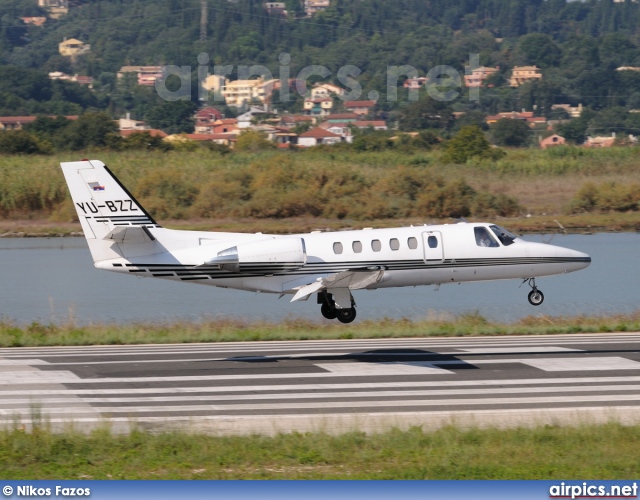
column 338, row 184
column 577, row 44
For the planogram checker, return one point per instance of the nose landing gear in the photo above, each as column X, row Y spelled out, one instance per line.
column 536, row 297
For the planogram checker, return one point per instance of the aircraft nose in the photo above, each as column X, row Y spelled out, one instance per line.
column 573, row 259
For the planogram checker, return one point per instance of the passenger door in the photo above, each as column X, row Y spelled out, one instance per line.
column 433, row 247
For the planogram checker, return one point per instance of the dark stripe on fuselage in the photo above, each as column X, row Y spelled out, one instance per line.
column 257, row 270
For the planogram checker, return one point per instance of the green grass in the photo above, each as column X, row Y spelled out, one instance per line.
column 232, row 330
column 588, row 451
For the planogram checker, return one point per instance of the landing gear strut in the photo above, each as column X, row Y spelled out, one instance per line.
column 330, row 311
column 536, row 297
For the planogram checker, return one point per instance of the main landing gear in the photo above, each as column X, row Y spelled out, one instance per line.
column 536, row 297
column 330, row 311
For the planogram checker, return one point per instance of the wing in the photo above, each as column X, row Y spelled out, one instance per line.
column 353, row 279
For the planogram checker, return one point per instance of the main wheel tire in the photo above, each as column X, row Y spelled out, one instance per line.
column 536, row 297
column 346, row 315
column 328, row 311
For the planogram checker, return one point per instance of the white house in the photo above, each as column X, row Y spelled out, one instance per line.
column 317, row 136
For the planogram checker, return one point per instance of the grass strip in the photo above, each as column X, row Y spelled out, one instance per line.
column 236, row 330
column 606, row 451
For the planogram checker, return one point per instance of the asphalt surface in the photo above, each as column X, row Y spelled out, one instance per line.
column 331, row 386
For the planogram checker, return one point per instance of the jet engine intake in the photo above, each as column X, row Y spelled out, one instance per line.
column 262, row 257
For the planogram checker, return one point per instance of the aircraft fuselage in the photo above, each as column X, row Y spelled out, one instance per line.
column 455, row 258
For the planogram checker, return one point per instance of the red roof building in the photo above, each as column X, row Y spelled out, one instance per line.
column 208, row 115
column 376, row 124
column 343, row 117
column 360, row 107
column 317, row 136
column 527, row 116
column 553, row 140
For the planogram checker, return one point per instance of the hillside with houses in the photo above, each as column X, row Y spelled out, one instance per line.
column 559, row 72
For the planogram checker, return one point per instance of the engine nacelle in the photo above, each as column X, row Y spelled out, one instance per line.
column 263, row 257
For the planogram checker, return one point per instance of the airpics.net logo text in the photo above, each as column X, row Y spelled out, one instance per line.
column 443, row 79
column 587, row 490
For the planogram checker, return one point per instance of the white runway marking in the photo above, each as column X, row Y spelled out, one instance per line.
column 582, row 364
column 378, row 369
column 324, row 387
column 52, row 399
column 20, row 362
column 517, row 350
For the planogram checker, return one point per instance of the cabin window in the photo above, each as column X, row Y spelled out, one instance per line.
column 394, row 244
column 357, row 247
column 432, row 241
column 484, row 238
column 412, row 243
column 376, row 246
column 337, row 248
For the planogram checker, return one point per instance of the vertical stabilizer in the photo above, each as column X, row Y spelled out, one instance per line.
column 106, row 210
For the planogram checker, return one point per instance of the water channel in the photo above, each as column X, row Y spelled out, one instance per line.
column 53, row 279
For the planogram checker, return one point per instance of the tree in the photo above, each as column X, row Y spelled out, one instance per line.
column 609, row 120
column 473, row 117
column 91, row 129
column 252, row 140
column 47, row 128
column 144, row 140
column 576, row 130
column 467, row 143
column 509, row 132
column 427, row 113
column 173, row 117
column 540, row 50
column 21, row 142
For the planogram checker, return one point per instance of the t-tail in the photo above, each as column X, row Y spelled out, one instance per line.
column 108, row 213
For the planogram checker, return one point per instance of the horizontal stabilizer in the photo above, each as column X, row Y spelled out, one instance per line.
column 130, row 234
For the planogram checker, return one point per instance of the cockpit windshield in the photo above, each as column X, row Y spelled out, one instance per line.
column 505, row 237
column 484, row 237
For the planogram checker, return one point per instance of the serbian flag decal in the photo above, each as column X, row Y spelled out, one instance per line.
column 96, row 186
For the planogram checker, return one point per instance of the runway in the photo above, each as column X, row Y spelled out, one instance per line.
column 332, row 386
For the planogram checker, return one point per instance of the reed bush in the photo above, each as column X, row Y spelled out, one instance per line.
column 332, row 183
column 609, row 196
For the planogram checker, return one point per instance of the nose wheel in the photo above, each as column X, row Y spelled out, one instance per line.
column 536, row 297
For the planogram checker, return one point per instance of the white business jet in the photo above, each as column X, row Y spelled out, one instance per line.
column 124, row 238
